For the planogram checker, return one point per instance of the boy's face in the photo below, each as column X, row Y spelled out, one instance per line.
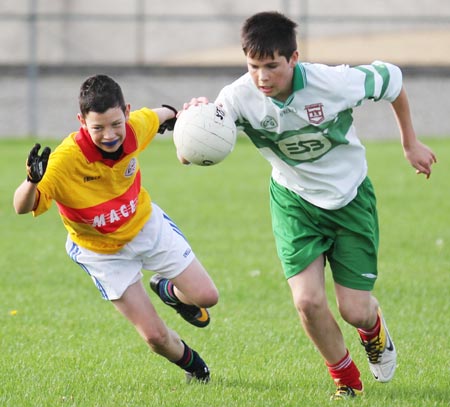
column 107, row 130
column 273, row 76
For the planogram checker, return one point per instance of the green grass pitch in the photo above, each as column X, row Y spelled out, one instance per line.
column 62, row 345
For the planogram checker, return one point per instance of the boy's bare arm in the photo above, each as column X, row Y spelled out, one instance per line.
column 419, row 155
column 25, row 197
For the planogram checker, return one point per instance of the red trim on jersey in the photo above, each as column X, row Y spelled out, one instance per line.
column 108, row 216
column 92, row 152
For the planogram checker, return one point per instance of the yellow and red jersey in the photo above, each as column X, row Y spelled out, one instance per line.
column 101, row 201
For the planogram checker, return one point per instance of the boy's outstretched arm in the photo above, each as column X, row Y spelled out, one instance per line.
column 419, row 155
column 25, row 197
column 167, row 116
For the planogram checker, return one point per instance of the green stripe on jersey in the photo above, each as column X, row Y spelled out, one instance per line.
column 369, row 83
column 384, row 73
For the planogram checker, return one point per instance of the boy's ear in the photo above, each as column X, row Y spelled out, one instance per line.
column 294, row 58
column 81, row 120
column 127, row 111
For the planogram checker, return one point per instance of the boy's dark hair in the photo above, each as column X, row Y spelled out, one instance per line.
column 265, row 33
column 98, row 93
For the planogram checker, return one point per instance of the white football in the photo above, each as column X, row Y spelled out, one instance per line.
column 204, row 134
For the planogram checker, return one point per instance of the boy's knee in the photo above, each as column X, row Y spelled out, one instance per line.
column 209, row 299
column 309, row 307
column 359, row 317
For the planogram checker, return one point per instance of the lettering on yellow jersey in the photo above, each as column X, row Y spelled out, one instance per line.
column 109, row 215
column 115, row 215
column 87, row 179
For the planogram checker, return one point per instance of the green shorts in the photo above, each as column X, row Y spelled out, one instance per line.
column 348, row 237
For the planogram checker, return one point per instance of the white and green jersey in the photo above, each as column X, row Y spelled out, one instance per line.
column 310, row 140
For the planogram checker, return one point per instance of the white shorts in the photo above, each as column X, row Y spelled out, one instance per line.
column 159, row 247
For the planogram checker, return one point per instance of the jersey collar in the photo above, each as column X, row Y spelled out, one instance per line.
column 298, row 83
column 91, row 151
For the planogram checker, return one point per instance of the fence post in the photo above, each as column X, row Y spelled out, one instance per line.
column 32, row 69
column 304, row 29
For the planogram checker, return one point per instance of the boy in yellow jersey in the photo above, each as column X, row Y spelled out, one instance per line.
column 114, row 229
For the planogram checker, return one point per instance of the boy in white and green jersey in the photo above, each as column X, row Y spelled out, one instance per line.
column 309, row 138
column 323, row 206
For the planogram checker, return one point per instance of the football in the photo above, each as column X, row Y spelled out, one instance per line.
column 204, row 134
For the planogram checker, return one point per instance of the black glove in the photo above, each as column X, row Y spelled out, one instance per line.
column 168, row 124
column 37, row 164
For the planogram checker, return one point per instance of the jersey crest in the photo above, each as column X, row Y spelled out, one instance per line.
column 269, row 122
column 315, row 113
column 131, row 169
